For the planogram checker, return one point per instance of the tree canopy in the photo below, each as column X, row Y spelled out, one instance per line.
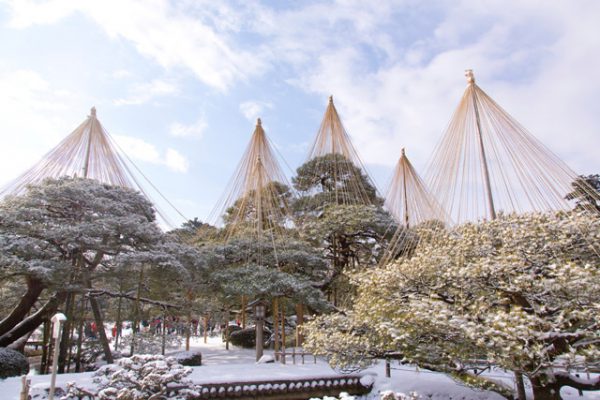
column 521, row 291
column 332, row 179
column 64, row 234
column 338, row 211
column 586, row 193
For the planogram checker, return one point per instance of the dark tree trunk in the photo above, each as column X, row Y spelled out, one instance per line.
column 136, row 314
column 551, row 390
column 98, row 319
column 118, row 324
column 227, row 330
column 80, row 335
column 34, row 289
column 299, row 323
column 205, row 328
column 65, row 342
column 164, row 332
column 282, row 319
column 521, row 395
column 544, row 392
column 276, row 327
column 33, row 321
column 19, row 344
column 188, row 332
column 101, row 331
column 45, row 348
column 74, row 324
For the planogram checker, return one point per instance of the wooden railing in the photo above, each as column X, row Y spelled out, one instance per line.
column 281, row 356
column 280, row 389
column 276, row 389
column 35, row 344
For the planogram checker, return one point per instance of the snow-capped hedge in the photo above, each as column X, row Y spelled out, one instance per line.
column 12, row 363
column 188, row 358
column 140, row 377
column 246, row 338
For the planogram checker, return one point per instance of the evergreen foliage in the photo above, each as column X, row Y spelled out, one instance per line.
column 331, row 179
column 586, row 193
column 339, row 213
column 521, row 291
column 72, row 236
column 12, row 363
column 247, row 337
column 141, row 377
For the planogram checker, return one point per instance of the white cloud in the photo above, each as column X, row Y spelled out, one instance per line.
column 36, row 116
column 138, row 149
column 27, row 13
column 141, row 150
column 160, row 30
column 194, row 130
column 27, row 88
column 32, row 119
column 398, row 88
column 253, row 109
column 395, row 68
column 122, row 74
column 175, row 161
column 145, row 92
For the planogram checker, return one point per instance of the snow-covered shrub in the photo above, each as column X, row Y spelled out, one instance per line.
column 343, row 396
column 150, row 343
column 12, row 363
column 91, row 354
column 386, row 395
column 247, row 337
column 188, row 358
column 140, row 377
column 521, row 291
column 389, row 395
column 230, row 331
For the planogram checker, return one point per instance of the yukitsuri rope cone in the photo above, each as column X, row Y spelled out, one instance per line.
column 333, row 154
column 255, row 207
column 488, row 163
column 408, row 198
column 410, row 203
column 255, row 202
column 88, row 152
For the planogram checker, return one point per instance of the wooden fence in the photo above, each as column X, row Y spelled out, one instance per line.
column 281, row 389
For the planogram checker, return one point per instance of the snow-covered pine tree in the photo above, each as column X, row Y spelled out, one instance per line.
column 521, row 292
column 62, row 236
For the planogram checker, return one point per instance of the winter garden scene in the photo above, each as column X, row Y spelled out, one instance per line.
column 331, row 199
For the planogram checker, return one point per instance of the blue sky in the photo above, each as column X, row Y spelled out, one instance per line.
column 179, row 84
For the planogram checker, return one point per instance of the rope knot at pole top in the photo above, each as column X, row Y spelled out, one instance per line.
column 93, row 112
column 258, row 122
column 470, row 76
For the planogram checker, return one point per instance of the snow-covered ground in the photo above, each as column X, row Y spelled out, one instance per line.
column 220, row 365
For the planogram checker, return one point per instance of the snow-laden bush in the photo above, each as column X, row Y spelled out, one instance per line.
column 226, row 335
column 141, row 377
column 150, row 343
column 389, row 395
column 521, row 291
column 188, row 358
column 12, row 363
column 343, row 396
column 246, row 338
